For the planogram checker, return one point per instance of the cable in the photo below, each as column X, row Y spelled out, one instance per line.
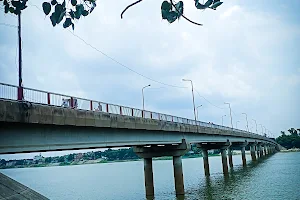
column 207, row 100
column 114, row 60
column 9, row 25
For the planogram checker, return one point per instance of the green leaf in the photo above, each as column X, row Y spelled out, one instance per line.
column 172, row 16
column 46, row 8
column 74, row 2
column 64, row 4
column 79, row 10
column 73, row 26
column 6, row 8
column 53, row 19
column 11, row 10
column 5, row 3
column 16, row 4
column 53, row 2
column 217, row 4
column 208, row 3
column 72, row 14
column 164, row 14
column 166, row 6
column 67, row 23
column 85, row 13
column 179, row 7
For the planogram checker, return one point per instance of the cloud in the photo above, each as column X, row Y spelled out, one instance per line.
column 230, row 11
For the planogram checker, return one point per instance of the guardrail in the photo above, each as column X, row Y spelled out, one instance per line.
column 8, row 91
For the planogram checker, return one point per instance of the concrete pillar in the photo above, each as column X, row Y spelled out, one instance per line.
column 265, row 150
column 261, row 151
column 224, row 161
column 205, row 162
column 148, row 173
column 230, row 157
column 258, row 151
column 244, row 156
column 178, row 175
column 252, row 151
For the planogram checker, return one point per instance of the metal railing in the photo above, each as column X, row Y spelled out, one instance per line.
column 10, row 92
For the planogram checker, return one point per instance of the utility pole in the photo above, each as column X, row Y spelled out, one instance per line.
column 193, row 97
column 20, row 88
column 230, row 114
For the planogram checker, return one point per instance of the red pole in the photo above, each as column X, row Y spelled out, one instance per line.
column 106, row 107
column 151, row 115
column 120, row 110
column 72, row 103
column 48, row 98
column 132, row 112
column 142, row 114
column 91, row 105
column 172, row 118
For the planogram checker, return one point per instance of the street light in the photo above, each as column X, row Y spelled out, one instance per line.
column 236, row 123
column 198, row 111
column 246, row 120
column 222, row 119
column 261, row 128
column 193, row 96
column 230, row 114
column 255, row 124
column 143, row 95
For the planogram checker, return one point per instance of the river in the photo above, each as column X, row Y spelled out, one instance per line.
column 276, row 177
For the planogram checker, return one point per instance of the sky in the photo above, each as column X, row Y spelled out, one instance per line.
column 246, row 53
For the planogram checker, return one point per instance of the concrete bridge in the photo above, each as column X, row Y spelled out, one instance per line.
column 37, row 126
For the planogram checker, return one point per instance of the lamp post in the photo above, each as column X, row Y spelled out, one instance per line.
column 261, row 128
column 246, row 121
column 236, row 123
column 198, row 111
column 193, row 96
column 222, row 118
column 143, row 95
column 255, row 124
column 230, row 114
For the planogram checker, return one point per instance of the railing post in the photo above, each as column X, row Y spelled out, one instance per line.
column 72, row 102
column 120, row 110
column 132, row 112
column 48, row 98
column 20, row 93
column 142, row 113
column 151, row 115
column 172, row 119
column 91, row 105
column 107, row 108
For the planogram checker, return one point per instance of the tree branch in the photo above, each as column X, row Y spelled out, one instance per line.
column 185, row 16
column 129, row 7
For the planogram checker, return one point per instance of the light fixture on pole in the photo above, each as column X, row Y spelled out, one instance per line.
column 230, row 113
column 193, row 96
column 246, row 121
column 236, row 123
column 198, row 112
column 143, row 95
column 222, row 118
column 255, row 124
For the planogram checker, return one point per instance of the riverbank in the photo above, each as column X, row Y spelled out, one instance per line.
column 99, row 161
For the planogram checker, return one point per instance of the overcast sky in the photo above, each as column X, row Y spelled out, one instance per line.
column 247, row 53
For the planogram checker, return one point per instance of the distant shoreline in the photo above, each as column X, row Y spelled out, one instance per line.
column 87, row 162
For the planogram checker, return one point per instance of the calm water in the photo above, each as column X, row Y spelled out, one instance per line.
column 277, row 177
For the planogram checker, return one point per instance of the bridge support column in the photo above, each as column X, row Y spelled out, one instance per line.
column 224, row 161
column 244, row 156
column 252, row 151
column 148, row 152
column 178, row 175
column 261, row 151
column 230, row 157
column 258, row 151
column 205, row 162
column 148, row 173
column 265, row 150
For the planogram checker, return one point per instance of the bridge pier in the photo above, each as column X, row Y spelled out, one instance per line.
column 258, row 151
column 176, row 151
column 244, row 156
column 230, row 157
column 205, row 162
column 224, row 161
column 252, row 152
column 261, row 151
column 148, row 174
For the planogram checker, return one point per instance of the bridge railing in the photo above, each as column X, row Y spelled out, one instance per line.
column 8, row 91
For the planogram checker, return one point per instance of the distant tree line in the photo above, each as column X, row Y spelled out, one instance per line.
column 291, row 140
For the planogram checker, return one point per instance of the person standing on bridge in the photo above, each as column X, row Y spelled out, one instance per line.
column 99, row 107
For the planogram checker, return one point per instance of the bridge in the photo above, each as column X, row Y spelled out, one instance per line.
column 45, row 121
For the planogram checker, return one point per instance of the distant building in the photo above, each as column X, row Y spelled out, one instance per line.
column 78, row 157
